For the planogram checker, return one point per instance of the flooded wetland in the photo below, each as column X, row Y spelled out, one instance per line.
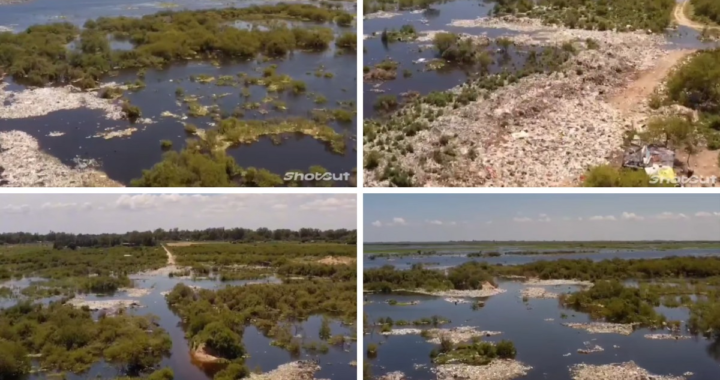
column 496, row 309
column 218, row 304
column 208, row 93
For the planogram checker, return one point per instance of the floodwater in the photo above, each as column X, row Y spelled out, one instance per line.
column 437, row 18
column 124, row 158
column 459, row 257
column 334, row 364
column 539, row 343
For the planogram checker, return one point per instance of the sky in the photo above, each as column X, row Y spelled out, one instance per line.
column 119, row 213
column 445, row 217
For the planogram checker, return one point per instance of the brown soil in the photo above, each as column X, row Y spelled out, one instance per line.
column 628, row 100
column 201, row 355
column 331, row 260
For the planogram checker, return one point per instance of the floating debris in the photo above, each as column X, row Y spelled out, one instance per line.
column 589, row 348
column 538, row 293
column 456, row 301
column 666, row 336
column 135, row 292
column 539, row 282
column 381, row 14
column 603, row 327
column 103, row 304
column 119, row 133
column 625, row 371
column 397, row 375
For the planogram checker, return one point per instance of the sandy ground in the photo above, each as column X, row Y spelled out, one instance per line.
column 331, row 260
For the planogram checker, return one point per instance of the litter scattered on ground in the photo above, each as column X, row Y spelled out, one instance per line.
column 25, row 165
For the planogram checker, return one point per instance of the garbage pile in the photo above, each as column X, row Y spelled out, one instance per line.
column 299, row 370
column 603, row 327
column 498, row 369
column 624, row 371
column 656, row 160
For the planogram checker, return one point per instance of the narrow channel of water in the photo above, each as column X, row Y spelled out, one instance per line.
column 335, row 364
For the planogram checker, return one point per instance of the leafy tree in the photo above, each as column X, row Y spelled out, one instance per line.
column 325, row 331
column 221, row 340
column 14, row 363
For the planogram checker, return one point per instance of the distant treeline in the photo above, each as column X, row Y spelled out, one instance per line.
column 152, row 238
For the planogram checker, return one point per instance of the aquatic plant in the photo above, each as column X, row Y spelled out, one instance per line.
column 39, row 55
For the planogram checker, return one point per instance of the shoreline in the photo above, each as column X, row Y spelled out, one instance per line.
column 24, row 164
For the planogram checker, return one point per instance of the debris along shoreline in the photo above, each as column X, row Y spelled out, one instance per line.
column 543, row 130
column 488, row 290
column 42, row 101
column 25, row 165
column 628, row 370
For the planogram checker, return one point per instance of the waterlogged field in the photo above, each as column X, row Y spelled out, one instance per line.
column 456, row 92
column 539, row 316
column 224, row 94
column 203, row 310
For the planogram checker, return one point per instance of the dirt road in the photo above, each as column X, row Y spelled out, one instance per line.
column 171, row 257
column 628, row 100
column 682, row 19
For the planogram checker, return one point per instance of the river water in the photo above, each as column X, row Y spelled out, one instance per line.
column 334, row 364
column 541, row 344
column 437, row 18
column 124, row 158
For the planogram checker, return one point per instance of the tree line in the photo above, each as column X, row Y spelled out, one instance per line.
column 152, row 238
column 468, row 276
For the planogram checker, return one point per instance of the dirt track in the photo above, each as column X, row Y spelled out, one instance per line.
column 682, row 19
column 171, row 257
column 640, row 89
